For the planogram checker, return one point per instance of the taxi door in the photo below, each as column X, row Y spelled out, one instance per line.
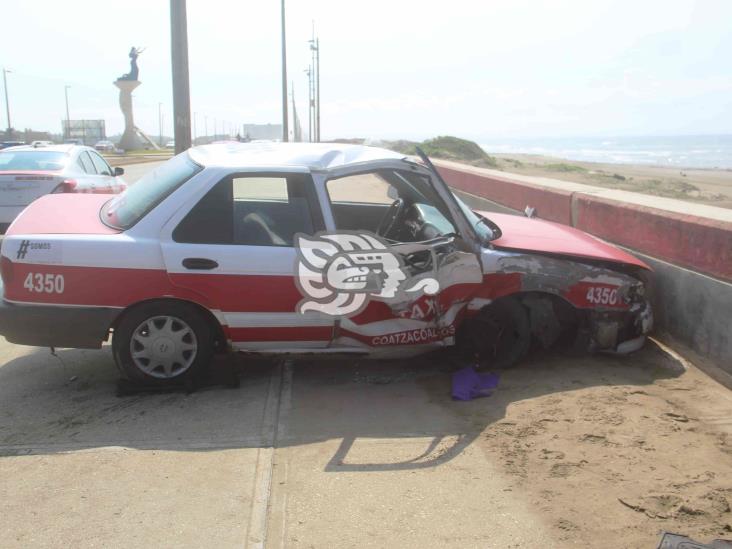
column 422, row 260
column 232, row 248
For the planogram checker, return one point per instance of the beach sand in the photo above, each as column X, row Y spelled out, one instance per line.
column 702, row 186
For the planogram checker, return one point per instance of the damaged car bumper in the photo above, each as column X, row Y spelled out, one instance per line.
column 621, row 334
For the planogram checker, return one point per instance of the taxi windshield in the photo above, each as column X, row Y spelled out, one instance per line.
column 126, row 209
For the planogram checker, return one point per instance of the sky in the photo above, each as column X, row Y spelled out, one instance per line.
column 413, row 69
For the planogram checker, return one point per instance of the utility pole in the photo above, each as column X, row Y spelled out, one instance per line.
column 205, row 126
column 309, row 72
column 181, row 89
column 7, row 101
column 67, row 133
column 285, row 128
column 160, row 124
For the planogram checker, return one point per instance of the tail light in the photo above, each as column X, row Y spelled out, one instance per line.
column 66, row 186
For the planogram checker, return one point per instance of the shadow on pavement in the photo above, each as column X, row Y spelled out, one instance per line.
column 50, row 405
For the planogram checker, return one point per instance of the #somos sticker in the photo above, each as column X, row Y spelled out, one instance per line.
column 38, row 251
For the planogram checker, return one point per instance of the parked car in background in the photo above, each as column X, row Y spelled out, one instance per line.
column 40, row 143
column 170, row 145
column 6, row 144
column 104, row 145
column 303, row 248
column 27, row 173
column 73, row 141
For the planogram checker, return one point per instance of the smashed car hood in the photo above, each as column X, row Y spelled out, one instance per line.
column 536, row 235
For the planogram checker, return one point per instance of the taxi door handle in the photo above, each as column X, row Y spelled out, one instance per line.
column 199, row 263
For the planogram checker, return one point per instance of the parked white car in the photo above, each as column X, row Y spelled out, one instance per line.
column 28, row 172
column 104, row 145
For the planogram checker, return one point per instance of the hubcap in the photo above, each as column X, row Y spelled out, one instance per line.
column 163, row 347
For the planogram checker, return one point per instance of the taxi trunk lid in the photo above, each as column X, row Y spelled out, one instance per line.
column 20, row 188
column 62, row 214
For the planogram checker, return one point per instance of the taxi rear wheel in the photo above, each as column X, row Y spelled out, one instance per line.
column 164, row 342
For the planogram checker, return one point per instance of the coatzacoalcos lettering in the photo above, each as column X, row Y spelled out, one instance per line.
column 422, row 335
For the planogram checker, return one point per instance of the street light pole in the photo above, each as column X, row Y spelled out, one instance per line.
column 315, row 53
column 7, row 101
column 181, row 87
column 317, row 83
column 205, row 126
column 309, row 72
column 285, row 128
column 68, row 119
column 160, row 124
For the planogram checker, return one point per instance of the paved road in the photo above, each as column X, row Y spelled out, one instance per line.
column 133, row 172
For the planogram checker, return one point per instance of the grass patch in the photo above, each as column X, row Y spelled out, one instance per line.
column 565, row 168
column 448, row 148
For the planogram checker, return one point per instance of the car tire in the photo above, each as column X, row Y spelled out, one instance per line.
column 162, row 342
column 501, row 334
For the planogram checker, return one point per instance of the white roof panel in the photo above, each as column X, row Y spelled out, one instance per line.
column 317, row 156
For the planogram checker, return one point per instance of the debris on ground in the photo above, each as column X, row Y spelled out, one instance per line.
column 468, row 384
column 677, row 541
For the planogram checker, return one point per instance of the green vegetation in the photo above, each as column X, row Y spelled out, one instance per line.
column 448, row 148
column 564, row 167
column 671, row 188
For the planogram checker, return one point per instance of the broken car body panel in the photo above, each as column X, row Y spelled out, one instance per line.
column 546, row 237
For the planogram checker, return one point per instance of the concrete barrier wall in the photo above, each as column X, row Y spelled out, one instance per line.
column 700, row 244
column 691, row 255
column 556, row 204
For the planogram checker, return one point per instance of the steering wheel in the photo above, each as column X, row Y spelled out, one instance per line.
column 390, row 217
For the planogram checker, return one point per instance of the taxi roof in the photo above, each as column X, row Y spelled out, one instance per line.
column 315, row 156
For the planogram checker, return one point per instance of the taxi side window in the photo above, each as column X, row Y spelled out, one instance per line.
column 99, row 163
column 253, row 210
column 86, row 164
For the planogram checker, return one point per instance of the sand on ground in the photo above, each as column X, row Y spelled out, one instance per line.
column 703, row 186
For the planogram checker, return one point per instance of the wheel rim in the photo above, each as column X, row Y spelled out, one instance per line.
column 163, row 347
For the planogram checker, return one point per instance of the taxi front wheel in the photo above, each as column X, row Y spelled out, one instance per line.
column 162, row 342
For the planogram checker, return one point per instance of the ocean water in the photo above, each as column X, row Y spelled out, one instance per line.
column 699, row 151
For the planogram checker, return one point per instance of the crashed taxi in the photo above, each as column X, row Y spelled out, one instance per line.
column 280, row 248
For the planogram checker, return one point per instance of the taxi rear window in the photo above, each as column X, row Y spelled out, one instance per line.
column 126, row 209
column 32, row 160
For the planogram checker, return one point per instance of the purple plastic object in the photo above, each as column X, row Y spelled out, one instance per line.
column 468, row 384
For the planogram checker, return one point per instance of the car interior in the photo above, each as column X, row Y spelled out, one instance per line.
column 398, row 206
column 268, row 210
column 262, row 210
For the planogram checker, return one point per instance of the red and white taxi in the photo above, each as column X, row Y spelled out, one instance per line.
column 306, row 248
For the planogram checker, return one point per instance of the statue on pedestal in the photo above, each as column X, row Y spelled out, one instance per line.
column 126, row 84
column 134, row 70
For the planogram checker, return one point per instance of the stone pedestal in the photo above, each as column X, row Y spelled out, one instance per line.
column 129, row 139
